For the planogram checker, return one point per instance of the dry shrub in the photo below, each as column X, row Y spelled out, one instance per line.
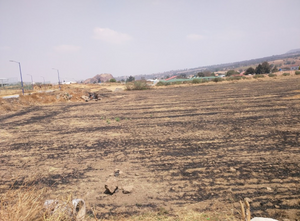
column 137, row 85
column 37, row 98
column 24, row 203
column 7, row 105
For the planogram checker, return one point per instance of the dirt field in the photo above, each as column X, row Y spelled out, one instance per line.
column 202, row 147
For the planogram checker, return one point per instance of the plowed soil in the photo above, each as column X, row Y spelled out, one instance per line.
column 202, row 147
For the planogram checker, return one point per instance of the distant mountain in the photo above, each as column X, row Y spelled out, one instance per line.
column 293, row 51
column 98, row 78
column 217, row 67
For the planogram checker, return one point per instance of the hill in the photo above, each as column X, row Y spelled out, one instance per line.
column 98, row 78
column 278, row 60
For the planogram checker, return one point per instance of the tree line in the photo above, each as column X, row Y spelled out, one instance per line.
column 263, row 68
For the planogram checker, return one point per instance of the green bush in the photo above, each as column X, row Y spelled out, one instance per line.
column 177, row 82
column 160, row 83
column 272, row 75
column 286, row 74
column 137, row 85
column 259, row 76
column 112, row 80
column 217, row 79
column 297, row 73
column 234, row 78
column 196, row 81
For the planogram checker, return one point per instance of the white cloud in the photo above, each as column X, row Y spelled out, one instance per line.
column 66, row 48
column 108, row 35
column 195, row 37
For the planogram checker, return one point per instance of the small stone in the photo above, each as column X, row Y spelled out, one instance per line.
column 127, row 189
column 277, row 207
column 269, row 188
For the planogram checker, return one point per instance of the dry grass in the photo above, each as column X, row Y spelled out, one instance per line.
column 26, row 203
column 179, row 216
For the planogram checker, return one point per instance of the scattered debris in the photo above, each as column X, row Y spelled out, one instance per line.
column 65, row 96
column 59, row 209
column 113, row 181
column 111, row 185
column 91, row 96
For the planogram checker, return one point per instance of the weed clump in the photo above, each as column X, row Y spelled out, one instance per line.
column 258, row 76
column 25, row 202
column 272, row 75
column 137, row 85
column 285, row 74
column 297, row 73
column 196, row 81
column 217, row 80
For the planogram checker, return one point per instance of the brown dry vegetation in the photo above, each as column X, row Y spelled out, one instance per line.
column 191, row 152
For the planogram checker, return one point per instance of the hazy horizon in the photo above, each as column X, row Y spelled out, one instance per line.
column 132, row 37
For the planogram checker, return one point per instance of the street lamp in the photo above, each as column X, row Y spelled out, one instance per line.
column 31, row 80
column 20, row 74
column 58, row 76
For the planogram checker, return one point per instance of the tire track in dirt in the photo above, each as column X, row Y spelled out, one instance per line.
column 190, row 146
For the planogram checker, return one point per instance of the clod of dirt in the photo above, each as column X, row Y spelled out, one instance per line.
column 232, row 169
column 127, row 189
column 111, row 185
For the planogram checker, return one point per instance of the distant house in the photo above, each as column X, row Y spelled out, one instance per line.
column 295, row 68
column 285, row 69
column 171, row 78
column 68, row 82
column 152, row 82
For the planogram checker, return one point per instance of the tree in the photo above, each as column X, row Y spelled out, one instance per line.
column 250, row 70
column 181, row 76
column 207, row 73
column 232, row 72
column 112, row 80
column 200, row 74
column 266, row 67
column 259, row 69
column 275, row 69
column 130, row 79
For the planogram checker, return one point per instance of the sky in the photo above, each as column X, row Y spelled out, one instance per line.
column 83, row 38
